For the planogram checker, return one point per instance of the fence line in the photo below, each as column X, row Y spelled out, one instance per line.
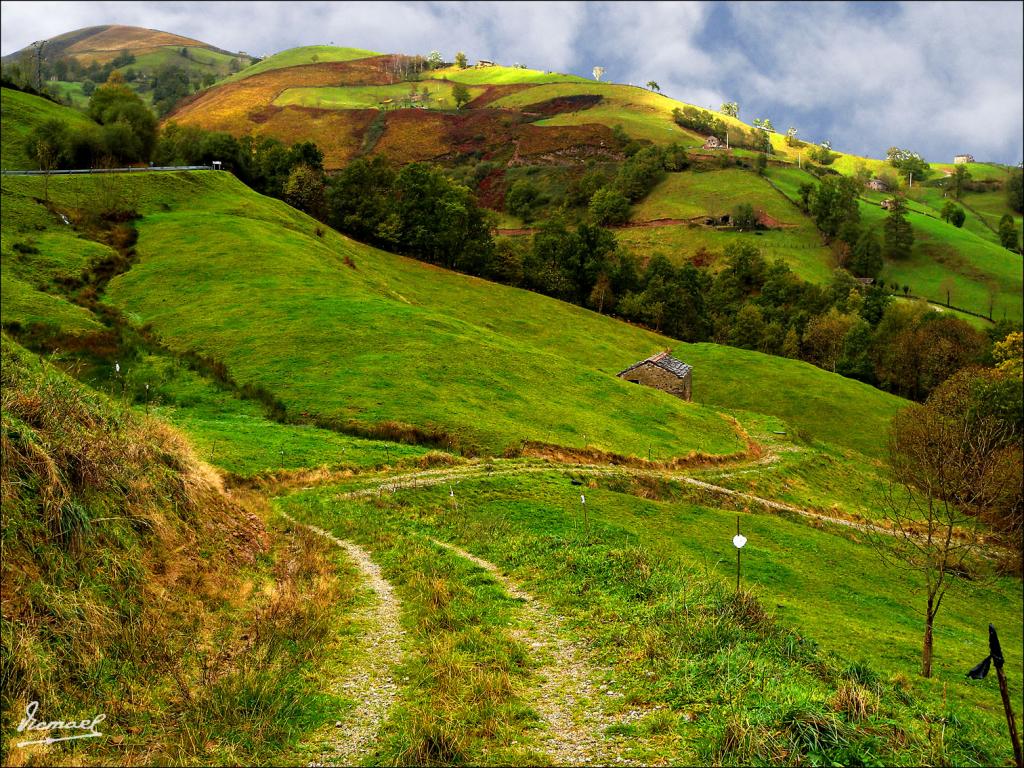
column 110, row 170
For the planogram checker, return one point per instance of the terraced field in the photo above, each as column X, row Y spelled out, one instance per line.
column 439, row 96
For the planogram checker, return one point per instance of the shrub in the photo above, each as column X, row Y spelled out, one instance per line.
column 744, row 217
column 609, row 206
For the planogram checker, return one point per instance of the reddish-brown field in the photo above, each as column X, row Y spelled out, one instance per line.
column 413, row 134
column 227, row 107
column 410, row 135
column 107, row 43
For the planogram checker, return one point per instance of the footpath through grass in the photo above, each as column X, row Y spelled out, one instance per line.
column 721, row 680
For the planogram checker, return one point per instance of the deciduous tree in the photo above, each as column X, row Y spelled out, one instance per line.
column 461, row 95
column 948, row 468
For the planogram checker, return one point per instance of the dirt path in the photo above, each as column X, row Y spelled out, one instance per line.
column 569, row 695
column 370, row 681
column 782, row 507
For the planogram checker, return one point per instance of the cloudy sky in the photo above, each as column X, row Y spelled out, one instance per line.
column 939, row 78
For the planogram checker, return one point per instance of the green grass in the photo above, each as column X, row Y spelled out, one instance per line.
column 512, row 365
column 367, row 96
column 945, row 255
column 931, row 202
column 800, row 247
column 306, row 54
column 236, row 435
column 990, row 206
column 19, row 114
column 499, row 75
column 200, row 60
column 972, row 265
column 690, row 194
column 641, row 113
column 72, row 91
column 36, row 250
column 642, row 588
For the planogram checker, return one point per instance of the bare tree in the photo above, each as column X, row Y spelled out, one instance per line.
column 948, row 469
column 46, row 156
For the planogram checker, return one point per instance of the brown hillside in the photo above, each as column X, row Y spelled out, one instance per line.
column 117, row 37
column 247, row 107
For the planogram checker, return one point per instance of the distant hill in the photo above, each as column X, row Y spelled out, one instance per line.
column 140, row 55
column 104, row 43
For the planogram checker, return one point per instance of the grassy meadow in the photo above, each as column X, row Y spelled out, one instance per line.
column 369, row 96
column 20, row 113
column 499, row 75
column 640, row 584
column 516, row 365
column 297, row 57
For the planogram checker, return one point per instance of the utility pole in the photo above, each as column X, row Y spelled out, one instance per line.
column 39, row 64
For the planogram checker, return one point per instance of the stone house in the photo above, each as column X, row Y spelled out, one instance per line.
column 664, row 372
column 960, row 159
column 887, row 204
column 714, row 142
column 877, row 185
column 484, row 63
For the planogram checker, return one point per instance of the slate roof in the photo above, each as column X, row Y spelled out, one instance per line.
column 666, row 362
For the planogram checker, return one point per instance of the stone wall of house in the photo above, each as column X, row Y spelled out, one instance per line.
column 653, row 376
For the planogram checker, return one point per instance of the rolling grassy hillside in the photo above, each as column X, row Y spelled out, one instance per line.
column 102, row 44
column 499, row 75
column 367, row 97
column 20, row 113
column 152, row 50
column 975, row 268
column 513, row 365
column 538, row 118
column 297, row 57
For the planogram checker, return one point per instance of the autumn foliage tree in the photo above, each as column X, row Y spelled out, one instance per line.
column 951, row 465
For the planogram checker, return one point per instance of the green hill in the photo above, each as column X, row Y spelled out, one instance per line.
column 361, row 337
column 296, row 57
column 138, row 54
column 20, row 113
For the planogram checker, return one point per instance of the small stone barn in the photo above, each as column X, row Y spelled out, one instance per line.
column 662, row 371
column 877, row 185
column 714, row 142
column 964, row 158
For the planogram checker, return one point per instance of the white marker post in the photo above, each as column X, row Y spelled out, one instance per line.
column 738, row 541
column 586, row 520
